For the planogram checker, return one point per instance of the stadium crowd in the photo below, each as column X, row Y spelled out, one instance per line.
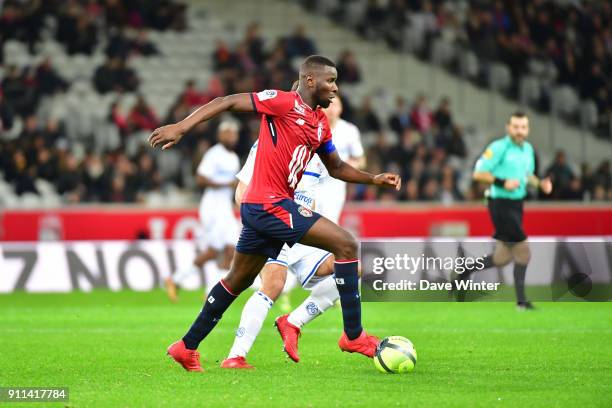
column 571, row 40
column 424, row 144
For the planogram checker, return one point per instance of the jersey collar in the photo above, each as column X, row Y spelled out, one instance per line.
column 302, row 101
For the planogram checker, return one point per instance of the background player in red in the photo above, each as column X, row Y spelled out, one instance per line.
column 292, row 128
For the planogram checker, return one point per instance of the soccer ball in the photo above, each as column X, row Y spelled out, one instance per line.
column 395, row 355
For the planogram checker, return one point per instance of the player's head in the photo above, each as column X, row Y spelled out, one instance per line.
column 334, row 110
column 518, row 127
column 318, row 77
column 227, row 133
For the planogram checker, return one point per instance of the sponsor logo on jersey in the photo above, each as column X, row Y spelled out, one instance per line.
column 299, row 108
column 312, row 309
column 304, row 211
column 211, row 299
column 488, row 154
column 320, row 131
column 339, row 281
column 300, row 121
column 267, row 94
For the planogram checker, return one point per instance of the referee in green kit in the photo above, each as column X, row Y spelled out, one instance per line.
column 507, row 165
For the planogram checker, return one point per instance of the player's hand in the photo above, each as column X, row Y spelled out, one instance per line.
column 546, row 185
column 511, row 184
column 166, row 136
column 388, row 180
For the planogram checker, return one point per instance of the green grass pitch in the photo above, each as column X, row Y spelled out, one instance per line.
column 109, row 349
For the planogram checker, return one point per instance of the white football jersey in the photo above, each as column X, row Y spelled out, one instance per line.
column 219, row 165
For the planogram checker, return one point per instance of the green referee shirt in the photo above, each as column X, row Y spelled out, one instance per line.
column 506, row 160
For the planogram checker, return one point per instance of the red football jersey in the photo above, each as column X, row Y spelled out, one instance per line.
column 289, row 134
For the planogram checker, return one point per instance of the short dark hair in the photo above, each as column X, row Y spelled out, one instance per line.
column 518, row 114
column 318, row 60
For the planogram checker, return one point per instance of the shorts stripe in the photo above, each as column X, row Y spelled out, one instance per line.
column 276, row 261
column 314, row 269
column 280, row 213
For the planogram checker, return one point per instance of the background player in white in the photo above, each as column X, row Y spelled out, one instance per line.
column 347, row 140
column 312, row 267
column 220, row 230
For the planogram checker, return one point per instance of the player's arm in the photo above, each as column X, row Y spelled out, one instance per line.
column 203, row 182
column 341, row 170
column 357, row 162
column 169, row 135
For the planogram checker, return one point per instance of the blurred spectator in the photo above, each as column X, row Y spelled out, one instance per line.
column 560, row 174
column 48, row 81
column 420, row 115
column 141, row 45
column 365, row 118
column 456, row 144
column 348, row 69
column 117, row 118
column 115, row 76
column 299, row 45
column 573, row 191
column 69, row 180
column 400, row 119
column 223, row 57
column 83, row 38
column 142, row 116
column 443, row 117
column 147, row 177
column 255, row 44
column 17, row 93
column 6, row 114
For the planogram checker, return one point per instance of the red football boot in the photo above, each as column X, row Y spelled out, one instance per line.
column 289, row 333
column 236, row 362
column 189, row 359
column 364, row 344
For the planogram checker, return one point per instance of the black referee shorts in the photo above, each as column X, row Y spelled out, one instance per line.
column 507, row 217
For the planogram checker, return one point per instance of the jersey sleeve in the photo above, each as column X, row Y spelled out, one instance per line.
column 206, row 168
column 272, row 102
column 327, row 145
column 246, row 173
column 490, row 158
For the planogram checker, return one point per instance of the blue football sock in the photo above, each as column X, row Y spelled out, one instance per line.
column 347, row 282
column 218, row 300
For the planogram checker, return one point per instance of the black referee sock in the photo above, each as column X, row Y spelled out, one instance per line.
column 347, row 282
column 218, row 300
column 519, row 281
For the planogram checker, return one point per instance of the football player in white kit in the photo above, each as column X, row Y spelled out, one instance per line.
column 347, row 140
column 312, row 267
column 220, row 229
